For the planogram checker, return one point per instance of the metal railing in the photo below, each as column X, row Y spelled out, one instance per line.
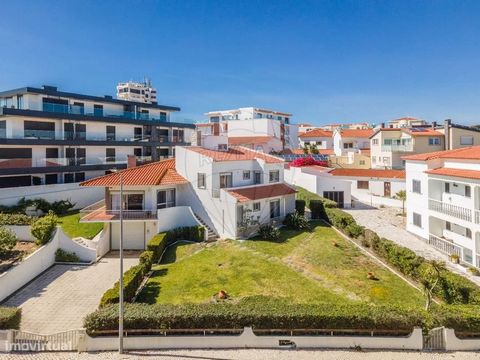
column 445, row 246
column 398, row 148
column 449, row 209
column 98, row 213
column 61, row 161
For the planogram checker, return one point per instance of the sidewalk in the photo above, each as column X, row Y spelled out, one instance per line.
column 387, row 223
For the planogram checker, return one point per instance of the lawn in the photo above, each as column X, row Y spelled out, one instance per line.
column 73, row 228
column 303, row 267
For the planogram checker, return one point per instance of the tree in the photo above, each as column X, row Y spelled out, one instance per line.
column 402, row 195
column 8, row 240
column 305, row 149
column 430, row 274
column 313, row 149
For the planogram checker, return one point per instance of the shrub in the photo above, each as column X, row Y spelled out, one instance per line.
column 16, row 219
column 61, row 207
column 157, row 245
column 132, row 280
column 307, row 161
column 458, row 317
column 8, row 240
column 269, row 232
column 339, row 218
column 58, row 207
column 300, row 206
column 65, row 256
column 192, row 233
column 296, row 221
column 146, row 258
column 10, row 318
column 355, row 231
column 42, row 229
column 318, row 210
column 259, row 313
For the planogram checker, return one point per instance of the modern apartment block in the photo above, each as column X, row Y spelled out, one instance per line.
column 259, row 129
column 406, row 122
column 137, row 92
column 443, row 201
column 49, row 136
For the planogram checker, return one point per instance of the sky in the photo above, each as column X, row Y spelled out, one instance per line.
column 323, row 61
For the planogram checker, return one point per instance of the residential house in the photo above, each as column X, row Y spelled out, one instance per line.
column 443, row 201
column 322, row 139
column 406, row 122
column 346, row 140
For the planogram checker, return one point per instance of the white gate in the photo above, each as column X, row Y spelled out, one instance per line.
column 435, row 340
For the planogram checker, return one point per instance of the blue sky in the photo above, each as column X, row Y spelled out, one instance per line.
column 324, row 61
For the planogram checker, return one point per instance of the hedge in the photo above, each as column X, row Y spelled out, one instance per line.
column 16, row 219
column 304, row 194
column 258, row 312
column 10, row 318
column 300, row 206
column 43, row 228
column 157, row 245
column 464, row 318
column 317, row 209
column 193, row 233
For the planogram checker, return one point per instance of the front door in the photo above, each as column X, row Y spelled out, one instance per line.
column 336, row 196
column 386, row 188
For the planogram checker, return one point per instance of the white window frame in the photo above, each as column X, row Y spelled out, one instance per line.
column 466, row 140
column 416, row 186
column 433, row 141
column 275, row 178
column 256, row 206
column 247, row 175
column 201, row 180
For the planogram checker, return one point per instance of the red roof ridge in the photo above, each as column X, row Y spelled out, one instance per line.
column 379, row 173
column 470, row 152
column 462, row 173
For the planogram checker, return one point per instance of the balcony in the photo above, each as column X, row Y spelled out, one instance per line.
column 477, row 216
column 55, row 162
column 452, row 210
column 398, row 148
column 97, row 212
column 445, row 246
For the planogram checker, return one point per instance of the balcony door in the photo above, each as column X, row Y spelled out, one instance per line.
column 225, row 180
column 166, row 198
column 132, row 201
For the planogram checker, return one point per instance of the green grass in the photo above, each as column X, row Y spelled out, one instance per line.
column 73, row 228
column 303, row 267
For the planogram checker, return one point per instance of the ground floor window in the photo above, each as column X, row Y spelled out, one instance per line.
column 417, row 219
column 362, row 184
column 274, row 209
column 337, row 196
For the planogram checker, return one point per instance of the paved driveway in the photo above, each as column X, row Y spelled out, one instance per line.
column 60, row 298
column 387, row 223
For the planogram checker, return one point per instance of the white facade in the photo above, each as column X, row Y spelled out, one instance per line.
column 135, row 91
column 445, row 210
column 342, row 143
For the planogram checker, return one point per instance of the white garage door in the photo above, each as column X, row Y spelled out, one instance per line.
column 133, row 235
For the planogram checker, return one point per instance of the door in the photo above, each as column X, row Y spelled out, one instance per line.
column 337, row 196
column 133, row 235
column 225, row 180
column 387, row 188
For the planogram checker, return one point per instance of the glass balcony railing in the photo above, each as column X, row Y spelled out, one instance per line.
column 55, row 162
column 39, row 134
column 397, row 147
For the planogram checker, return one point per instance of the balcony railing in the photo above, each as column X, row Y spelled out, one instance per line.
column 445, row 246
column 398, row 148
column 449, row 209
column 97, row 212
column 477, row 217
column 53, row 162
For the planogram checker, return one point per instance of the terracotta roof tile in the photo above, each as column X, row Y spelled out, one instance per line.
column 356, row 133
column 261, row 192
column 461, row 173
column 422, row 132
column 157, row 173
column 316, row 133
column 235, row 153
column 375, row 173
column 242, row 140
column 467, row 153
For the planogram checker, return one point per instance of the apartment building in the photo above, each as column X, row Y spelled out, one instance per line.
column 49, row 136
column 352, row 126
column 137, row 92
column 443, row 201
column 389, row 145
column 347, row 140
column 231, row 192
column 251, row 121
column 406, row 122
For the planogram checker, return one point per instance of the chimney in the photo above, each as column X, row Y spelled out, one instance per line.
column 434, row 124
column 447, row 126
column 131, row 161
column 382, row 125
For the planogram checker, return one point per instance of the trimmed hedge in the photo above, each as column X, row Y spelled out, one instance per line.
column 300, row 206
column 43, row 228
column 317, row 209
column 458, row 317
column 157, row 245
column 16, row 219
column 132, row 278
column 192, row 233
column 10, row 318
column 258, row 312
column 304, row 194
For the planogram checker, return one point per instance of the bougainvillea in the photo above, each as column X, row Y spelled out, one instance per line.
column 307, row 161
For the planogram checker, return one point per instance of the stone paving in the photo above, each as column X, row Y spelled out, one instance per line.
column 59, row 299
column 250, row 354
column 387, row 223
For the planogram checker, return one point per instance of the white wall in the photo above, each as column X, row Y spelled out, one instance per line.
column 22, row 232
column 174, row 217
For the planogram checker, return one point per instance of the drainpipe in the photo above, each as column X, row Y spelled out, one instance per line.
column 447, row 126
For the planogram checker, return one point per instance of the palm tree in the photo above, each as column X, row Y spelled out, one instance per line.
column 402, row 195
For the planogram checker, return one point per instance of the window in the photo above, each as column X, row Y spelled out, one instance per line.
column 222, row 147
column 97, row 110
column 468, row 191
column 225, row 180
column 374, row 159
column 386, row 160
column 110, row 154
column 274, row 209
column 201, row 184
column 448, row 226
column 274, row 176
column 111, row 133
column 434, row 141
column 468, row 233
column 256, row 206
column 348, row 145
column 137, row 133
column 3, row 129
column 68, row 178
column 51, row 179
column 246, row 175
column 78, row 108
column 80, row 176
column 447, row 188
column 466, row 140
column 375, row 141
column 362, row 184
column 257, row 177
column 417, row 219
column 165, row 198
column 417, row 186
column 362, row 162
column 39, row 130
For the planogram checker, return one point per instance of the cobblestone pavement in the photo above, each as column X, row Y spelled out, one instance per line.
column 59, row 299
column 250, row 355
column 387, row 223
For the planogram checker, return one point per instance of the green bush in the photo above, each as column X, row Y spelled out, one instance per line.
column 146, row 258
column 192, row 233
column 355, row 231
column 132, row 280
column 10, row 318
column 300, row 206
column 458, row 317
column 16, row 219
column 58, row 207
column 269, row 232
column 157, row 245
column 296, row 221
column 339, row 218
column 8, row 240
column 259, row 313
column 42, row 229
column 317, row 209
column 304, row 194
column 66, row 256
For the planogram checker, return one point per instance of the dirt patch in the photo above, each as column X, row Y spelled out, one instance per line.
column 21, row 250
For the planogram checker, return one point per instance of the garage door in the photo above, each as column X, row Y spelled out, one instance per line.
column 133, row 235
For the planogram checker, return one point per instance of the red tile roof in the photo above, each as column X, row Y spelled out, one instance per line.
column 300, row 151
column 235, row 153
column 316, row 133
column 374, row 173
column 157, row 173
column 242, row 140
column 422, row 132
column 356, row 133
column 467, row 153
column 261, row 192
column 468, row 174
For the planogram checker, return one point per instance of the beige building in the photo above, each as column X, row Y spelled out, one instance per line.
column 406, row 122
column 351, row 160
column 458, row 136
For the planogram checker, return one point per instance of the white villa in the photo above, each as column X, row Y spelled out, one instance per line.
column 231, row 192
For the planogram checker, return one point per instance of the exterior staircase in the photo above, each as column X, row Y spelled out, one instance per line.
column 84, row 242
column 211, row 234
